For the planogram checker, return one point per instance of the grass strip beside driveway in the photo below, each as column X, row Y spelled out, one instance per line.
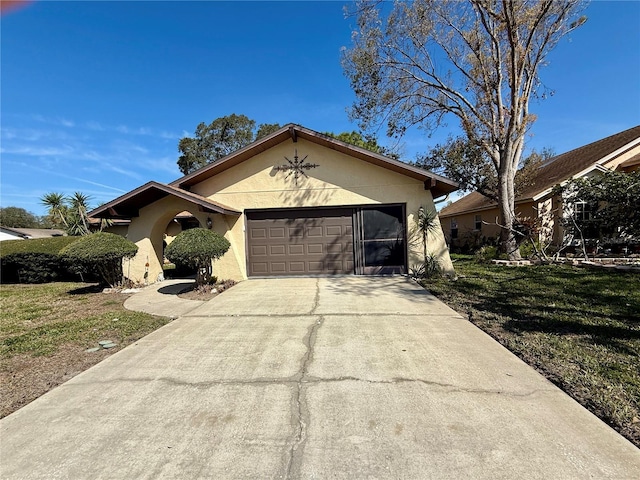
column 46, row 329
column 579, row 327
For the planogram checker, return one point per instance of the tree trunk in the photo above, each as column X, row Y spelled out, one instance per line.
column 506, row 207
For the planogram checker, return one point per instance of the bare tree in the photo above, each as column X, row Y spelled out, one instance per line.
column 478, row 61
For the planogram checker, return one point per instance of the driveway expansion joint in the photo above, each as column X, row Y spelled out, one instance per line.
column 447, row 386
column 301, row 380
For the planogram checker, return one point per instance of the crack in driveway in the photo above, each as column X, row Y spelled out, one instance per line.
column 301, row 410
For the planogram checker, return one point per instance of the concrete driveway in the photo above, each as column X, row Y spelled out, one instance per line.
column 350, row 377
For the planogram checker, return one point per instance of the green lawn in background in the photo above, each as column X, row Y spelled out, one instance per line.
column 580, row 327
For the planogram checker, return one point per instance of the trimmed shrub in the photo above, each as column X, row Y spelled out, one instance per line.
column 197, row 248
column 101, row 253
column 34, row 261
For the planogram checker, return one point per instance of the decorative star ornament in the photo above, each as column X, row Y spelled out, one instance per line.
column 296, row 167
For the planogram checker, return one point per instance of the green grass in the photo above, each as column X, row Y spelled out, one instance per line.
column 580, row 327
column 40, row 319
column 45, row 330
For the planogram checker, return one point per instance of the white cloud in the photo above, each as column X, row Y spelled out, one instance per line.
column 123, row 171
column 37, row 151
column 91, row 125
column 66, row 123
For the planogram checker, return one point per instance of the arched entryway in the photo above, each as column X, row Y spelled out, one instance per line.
column 184, row 220
column 152, row 209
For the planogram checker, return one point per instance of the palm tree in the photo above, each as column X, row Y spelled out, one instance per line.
column 69, row 213
column 77, row 214
column 56, row 203
column 427, row 225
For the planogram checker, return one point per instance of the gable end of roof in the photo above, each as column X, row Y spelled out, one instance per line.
column 438, row 184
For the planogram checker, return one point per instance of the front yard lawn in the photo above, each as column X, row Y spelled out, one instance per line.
column 579, row 327
column 46, row 329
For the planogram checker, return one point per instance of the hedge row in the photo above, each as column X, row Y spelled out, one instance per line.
column 35, row 261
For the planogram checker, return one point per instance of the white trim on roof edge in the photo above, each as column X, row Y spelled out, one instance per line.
column 595, row 166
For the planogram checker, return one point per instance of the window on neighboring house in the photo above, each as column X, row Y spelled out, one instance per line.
column 585, row 214
column 582, row 211
column 478, row 223
column 454, row 228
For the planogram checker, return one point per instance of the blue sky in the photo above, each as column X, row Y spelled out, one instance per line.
column 96, row 95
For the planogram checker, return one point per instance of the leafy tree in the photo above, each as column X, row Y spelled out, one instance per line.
column 368, row 142
column 609, row 206
column 466, row 163
column 475, row 61
column 221, row 137
column 265, row 129
column 18, row 218
column 68, row 213
column 197, row 248
column 102, row 253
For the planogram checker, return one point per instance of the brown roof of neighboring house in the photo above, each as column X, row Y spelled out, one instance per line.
column 128, row 205
column 553, row 172
column 436, row 183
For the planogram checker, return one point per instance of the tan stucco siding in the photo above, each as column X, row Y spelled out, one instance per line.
column 147, row 231
column 339, row 180
column 469, row 234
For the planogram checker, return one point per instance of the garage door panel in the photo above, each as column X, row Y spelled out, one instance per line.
column 296, row 232
column 333, row 267
column 336, row 248
column 277, row 232
column 296, row 249
column 258, row 232
column 297, row 267
column 314, row 232
column 316, row 267
column 314, row 249
column 334, row 231
column 278, row 267
column 260, row 268
column 259, row 250
column 298, row 242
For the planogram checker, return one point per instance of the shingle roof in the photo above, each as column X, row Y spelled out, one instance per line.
column 555, row 171
column 437, row 184
column 127, row 205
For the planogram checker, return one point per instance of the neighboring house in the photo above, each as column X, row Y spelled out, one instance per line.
column 295, row 202
column 473, row 219
column 118, row 227
column 10, row 233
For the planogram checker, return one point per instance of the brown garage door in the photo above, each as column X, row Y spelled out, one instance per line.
column 300, row 242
